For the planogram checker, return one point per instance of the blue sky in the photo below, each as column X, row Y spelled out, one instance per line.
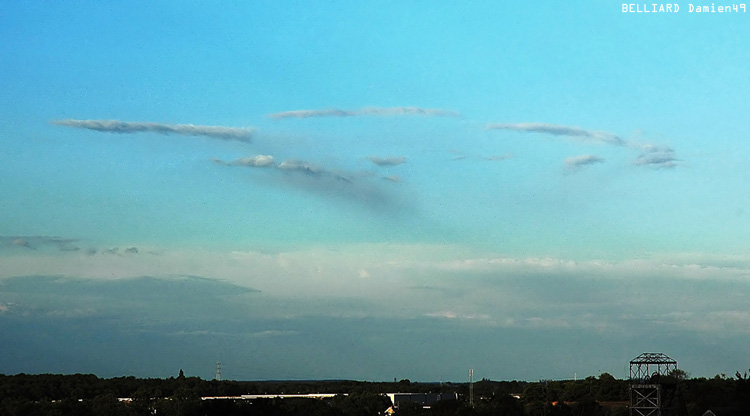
column 372, row 190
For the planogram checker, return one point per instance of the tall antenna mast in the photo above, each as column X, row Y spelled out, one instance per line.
column 471, row 387
column 218, row 371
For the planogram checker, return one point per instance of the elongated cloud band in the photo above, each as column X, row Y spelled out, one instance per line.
column 387, row 161
column 357, row 186
column 656, row 156
column 115, row 126
column 258, row 161
column 576, row 162
column 558, row 130
column 651, row 155
column 368, row 111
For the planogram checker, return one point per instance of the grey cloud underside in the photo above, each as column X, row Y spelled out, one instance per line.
column 300, row 174
column 368, row 111
column 658, row 157
column 576, row 162
column 38, row 242
column 559, row 130
column 387, row 161
column 257, row 161
column 124, row 127
column 289, row 165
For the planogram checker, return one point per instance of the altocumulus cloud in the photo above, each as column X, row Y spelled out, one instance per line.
column 125, row 127
column 368, row 111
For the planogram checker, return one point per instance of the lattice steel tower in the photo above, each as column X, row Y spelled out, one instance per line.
column 653, row 387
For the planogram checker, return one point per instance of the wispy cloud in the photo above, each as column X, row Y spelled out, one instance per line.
column 387, row 161
column 257, row 161
column 577, row 162
column 124, row 127
column 38, row 242
column 367, row 111
column 310, row 177
column 560, row 130
column 289, row 165
column 657, row 157
column 650, row 155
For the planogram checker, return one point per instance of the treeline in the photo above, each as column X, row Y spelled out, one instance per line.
column 83, row 394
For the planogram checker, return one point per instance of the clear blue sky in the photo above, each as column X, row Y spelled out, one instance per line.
column 372, row 190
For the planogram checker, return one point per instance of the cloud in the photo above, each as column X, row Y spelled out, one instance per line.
column 257, row 161
column 650, row 154
column 38, row 242
column 657, row 157
column 289, row 165
column 115, row 126
column 387, row 161
column 577, row 162
column 293, row 165
column 559, row 130
column 310, row 177
column 368, row 111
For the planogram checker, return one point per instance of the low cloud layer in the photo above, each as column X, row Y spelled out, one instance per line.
column 368, row 111
column 124, row 127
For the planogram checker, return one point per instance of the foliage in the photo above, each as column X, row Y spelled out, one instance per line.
column 85, row 394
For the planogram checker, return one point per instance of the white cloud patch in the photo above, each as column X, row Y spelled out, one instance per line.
column 257, row 161
column 242, row 134
column 367, row 111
